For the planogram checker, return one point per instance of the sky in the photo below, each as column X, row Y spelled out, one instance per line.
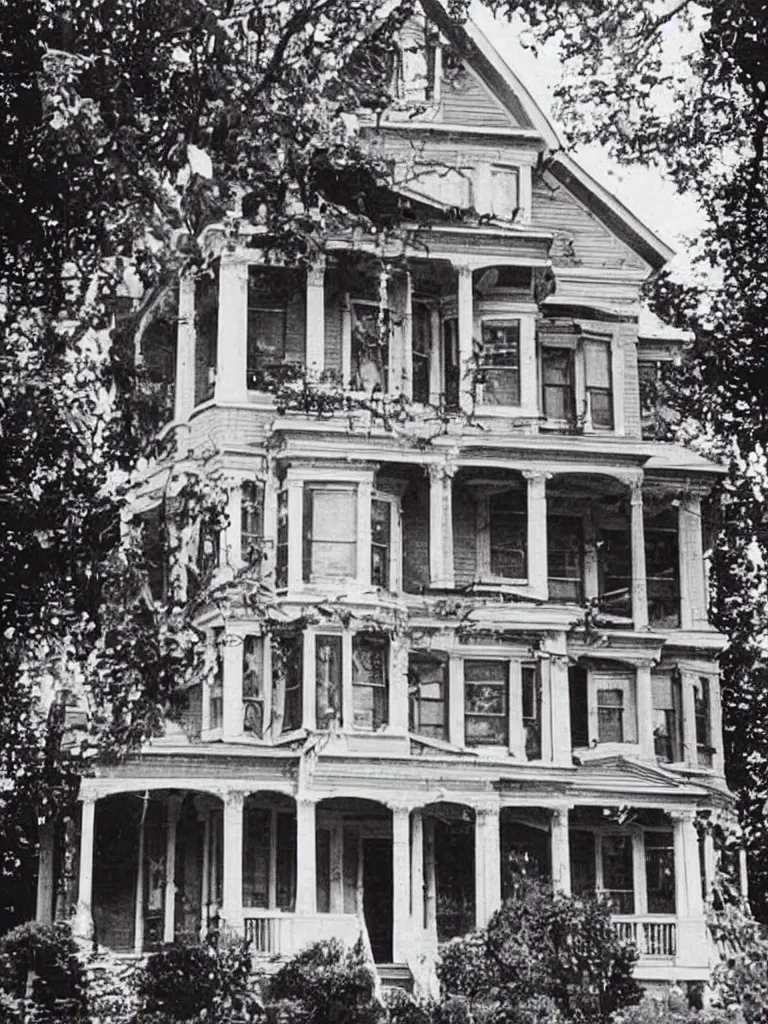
column 644, row 191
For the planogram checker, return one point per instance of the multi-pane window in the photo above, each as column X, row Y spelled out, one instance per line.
column 421, row 319
column 381, row 539
column 662, row 571
column 505, row 191
column 667, row 717
column 287, row 663
column 615, row 564
column 330, row 533
column 531, row 693
column 252, row 522
column 451, row 371
column 486, row 703
column 267, row 323
column 370, row 345
column 610, row 716
column 702, row 712
column 370, row 682
column 660, row 872
column 216, row 691
column 281, row 551
column 597, row 371
column 500, row 362
column 557, row 381
column 615, row 714
column 328, row 660
column 566, row 558
column 618, row 874
column 427, row 695
column 508, row 525
column 253, row 685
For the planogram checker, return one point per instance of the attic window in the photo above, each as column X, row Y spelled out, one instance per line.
column 416, row 72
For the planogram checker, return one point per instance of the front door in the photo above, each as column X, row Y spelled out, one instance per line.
column 377, row 895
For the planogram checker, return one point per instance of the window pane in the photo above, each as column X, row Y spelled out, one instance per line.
column 287, row 659
column 370, row 699
column 557, row 366
column 427, row 693
column 610, row 716
column 327, row 680
column 380, row 540
column 251, row 522
column 484, row 700
column 253, row 685
column 531, row 711
column 370, row 346
column 485, row 703
column 597, row 358
column 601, row 407
column 256, row 829
column 485, row 671
column 660, row 872
column 490, row 732
column 508, row 541
column 500, row 360
column 504, row 191
column 332, row 533
column 422, row 344
column 618, row 877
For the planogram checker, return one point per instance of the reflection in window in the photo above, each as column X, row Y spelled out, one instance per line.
column 381, row 517
column 427, row 691
column 370, row 682
column 618, row 875
column 253, row 685
column 500, row 362
column 486, row 717
column 327, row 680
column 330, row 532
column 531, row 684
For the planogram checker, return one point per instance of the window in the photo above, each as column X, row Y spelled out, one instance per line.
column 618, row 875
column 531, row 684
column 667, row 717
column 281, row 552
column 450, row 186
column 327, row 681
column 253, row 685
column 381, row 530
column 662, row 572
column 597, row 367
column 287, row 660
column 216, row 692
column 615, row 571
column 610, row 716
column 500, row 362
column 257, row 828
column 451, row 372
column 208, row 551
column 427, row 693
column 421, row 319
column 505, row 192
column 370, row 345
column 615, row 715
column 330, row 532
column 660, row 872
column 275, row 332
column 557, row 379
column 252, row 522
column 565, row 545
column 702, row 711
column 508, row 528
column 486, row 703
column 370, row 682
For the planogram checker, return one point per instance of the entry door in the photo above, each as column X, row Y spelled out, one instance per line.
column 377, row 895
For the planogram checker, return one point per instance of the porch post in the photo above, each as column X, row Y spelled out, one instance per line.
column 44, row 900
column 441, row 572
column 487, row 863
column 639, row 581
column 270, row 524
column 561, row 852
column 401, row 888
column 138, row 906
column 306, row 867
column 417, row 872
column 83, row 922
column 232, row 713
column 560, row 719
column 232, row 896
column 538, row 571
column 645, row 710
column 204, row 815
column 689, row 905
column 430, row 881
column 185, row 351
column 315, row 318
column 232, row 329
column 169, row 903
column 466, row 330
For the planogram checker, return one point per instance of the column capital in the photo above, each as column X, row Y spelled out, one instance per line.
column 560, row 813
column 685, row 815
column 400, row 805
column 316, row 273
column 487, row 808
column 305, row 800
column 440, row 471
column 233, row 797
column 88, row 797
column 463, row 269
column 536, row 475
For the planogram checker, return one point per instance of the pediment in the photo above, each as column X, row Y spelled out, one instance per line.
column 621, row 772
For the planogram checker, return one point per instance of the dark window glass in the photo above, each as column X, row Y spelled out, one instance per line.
column 663, row 575
column 327, row 681
column 583, row 869
column 370, row 346
column 615, row 557
column 381, row 517
column 531, row 711
column 427, row 691
column 667, row 718
column 216, row 693
column 610, row 716
column 566, row 558
column 577, row 683
column 257, row 826
column 422, row 344
column 486, row 707
column 370, row 682
column 253, row 685
column 287, row 658
column 558, row 383
column 660, row 872
column 281, row 559
column 252, row 522
column 618, row 874
column 451, row 373
column 508, row 524
column 702, row 709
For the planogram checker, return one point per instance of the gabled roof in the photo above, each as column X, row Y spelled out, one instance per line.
column 616, row 773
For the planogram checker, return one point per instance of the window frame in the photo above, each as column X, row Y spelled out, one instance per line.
column 484, row 367
column 575, row 340
column 504, row 716
column 383, row 642
column 309, row 574
column 485, row 493
column 415, row 699
column 610, row 679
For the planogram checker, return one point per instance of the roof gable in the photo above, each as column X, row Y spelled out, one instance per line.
column 619, row 772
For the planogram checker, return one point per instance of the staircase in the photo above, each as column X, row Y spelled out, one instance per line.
column 395, row 976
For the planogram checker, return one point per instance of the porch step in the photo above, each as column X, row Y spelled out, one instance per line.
column 396, row 976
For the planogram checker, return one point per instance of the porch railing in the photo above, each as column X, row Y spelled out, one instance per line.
column 277, row 933
column 654, row 936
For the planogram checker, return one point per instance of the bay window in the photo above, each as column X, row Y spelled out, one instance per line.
column 499, row 362
column 427, row 695
column 330, row 532
column 328, row 676
column 603, row 706
column 667, row 717
column 531, row 687
column 370, row 682
column 253, row 686
column 252, row 522
column 287, row 662
column 577, row 388
column 486, row 703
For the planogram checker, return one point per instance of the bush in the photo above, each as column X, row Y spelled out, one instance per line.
column 331, row 985
column 465, row 968
column 59, row 990
column 653, row 1011
column 183, row 982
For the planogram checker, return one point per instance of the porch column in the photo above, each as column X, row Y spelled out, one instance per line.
column 561, row 851
column 692, row 949
column 83, row 922
column 430, row 880
column 710, row 864
column 645, row 710
column 466, row 330
column 169, row 904
column 232, row 330
column 232, row 896
column 44, row 902
column 441, row 572
column 270, row 524
column 487, row 863
column 138, row 905
column 639, row 582
column 556, row 646
column 204, row 816
column 306, row 866
column 184, row 399
column 232, row 690
column 417, row 872
column 690, row 746
column 315, row 318
column 693, row 604
column 537, row 533
column 401, row 888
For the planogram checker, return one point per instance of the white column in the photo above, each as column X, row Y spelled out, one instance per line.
column 435, row 357
column 710, row 864
column 204, row 815
column 169, row 903
column 232, row 896
column 398, row 685
column 417, row 873
column 232, row 327
column 487, row 863
column 184, row 401
column 430, row 880
column 562, row 748
column 315, row 318
column 692, row 949
column 456, row 701
column 644, row 693
column 45, row 886
column 537, row 533
column 308, row 682
column 465, row 327
column 560, row 849
column 529, row 383
column 364, row 493
column 138, row 906
column 406, row 382
column 639, row 582
column 306, row 863
column 441, row 525
column 295, row 533
column 716, row 724
column 690, row 747
column 401, row 888
column 83, row 923
column 693, row 605
column 232, row 715
column 270, row 523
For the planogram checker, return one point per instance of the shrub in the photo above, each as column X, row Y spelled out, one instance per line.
column 653, row 1011
column 332, row 985
column 464, row 967
column 59, row 985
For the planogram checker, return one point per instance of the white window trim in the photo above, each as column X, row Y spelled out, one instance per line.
column 636, row 834
column 483, row 536
column 576, row 344
column 495, row 311
column 348, row 302
column 603, row 680
column 515, row 746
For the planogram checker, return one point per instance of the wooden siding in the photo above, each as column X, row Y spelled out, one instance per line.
column 580, row 238
column 464, row 536
column 627, row 337
column 465, row 100
column 333, row 321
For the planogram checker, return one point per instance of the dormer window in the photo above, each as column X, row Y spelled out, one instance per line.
column 417, row 63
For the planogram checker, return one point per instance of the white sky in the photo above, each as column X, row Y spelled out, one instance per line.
column 644, row 191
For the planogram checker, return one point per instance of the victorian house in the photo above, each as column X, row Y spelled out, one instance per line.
column 486, row 642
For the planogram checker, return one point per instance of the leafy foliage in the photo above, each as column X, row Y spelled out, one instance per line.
column 50, row 956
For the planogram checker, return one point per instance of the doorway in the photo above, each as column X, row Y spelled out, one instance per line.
column 377, row 895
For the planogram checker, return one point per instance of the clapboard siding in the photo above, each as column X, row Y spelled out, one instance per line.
column 465, row 101
column 580, row 238
column 627, row 337
column 333, row 321
column 464, row 536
